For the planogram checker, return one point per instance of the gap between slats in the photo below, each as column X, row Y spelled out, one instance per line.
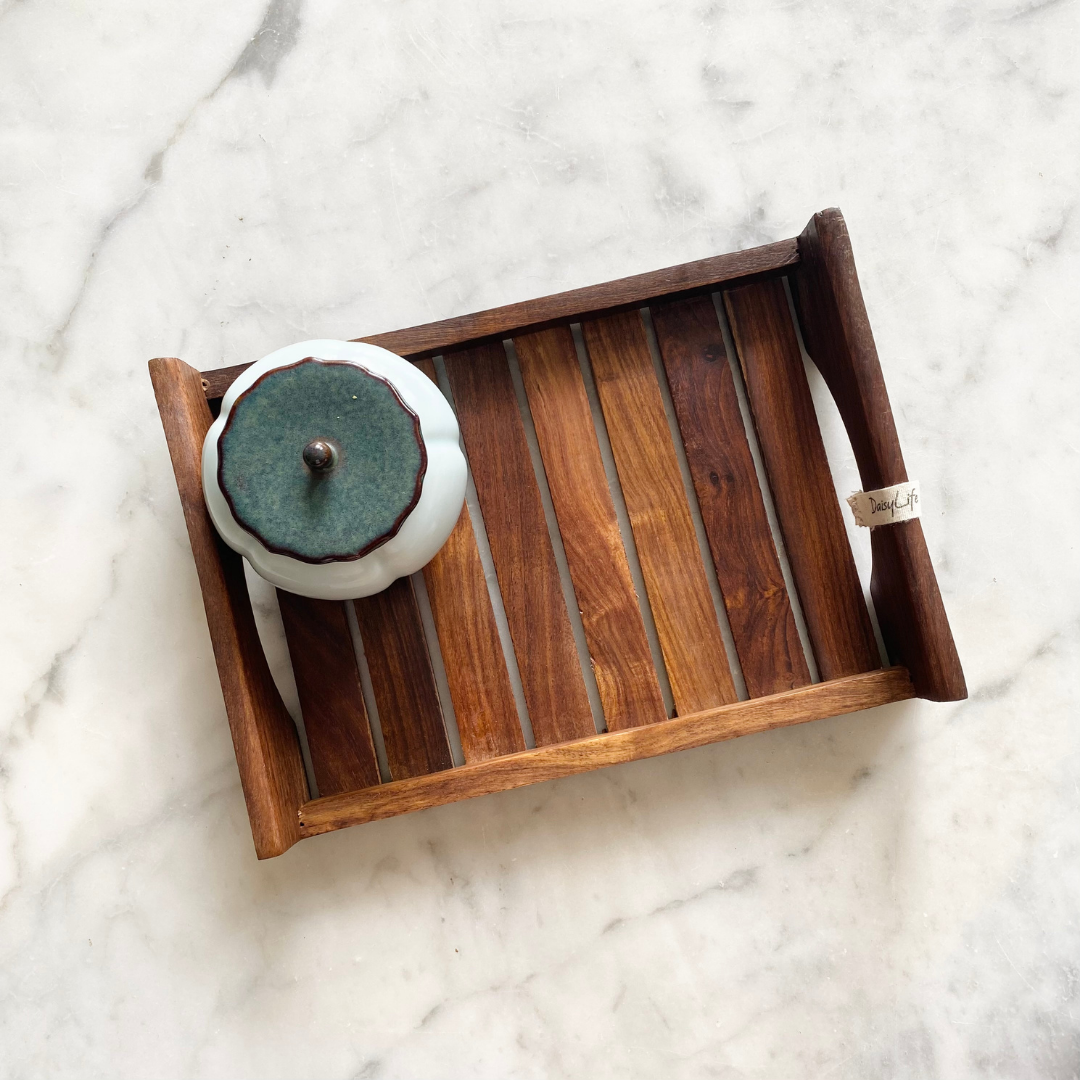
column 438, row 668
column 715, row 592
column 368, row 692
column 800, row 478
column 763, row 487
column 664, row 532
column 328, row 686
column 584, row 515
column 733, row 518
column 399, row 662
column 845, row 472
column 476, row 517
column 622, row 516
column 556, row 539
column 566, row 581
column 522, row 549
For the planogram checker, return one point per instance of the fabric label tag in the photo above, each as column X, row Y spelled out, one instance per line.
column 886, row 506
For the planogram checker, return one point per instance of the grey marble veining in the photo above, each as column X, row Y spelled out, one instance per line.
column 892, row 894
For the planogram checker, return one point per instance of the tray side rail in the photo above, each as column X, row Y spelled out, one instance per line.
column 574, row 305
column 264, row 737
column 839, row 340
column 814, row 702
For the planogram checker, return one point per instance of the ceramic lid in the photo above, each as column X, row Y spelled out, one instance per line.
column 327, row 454
column 321, row 460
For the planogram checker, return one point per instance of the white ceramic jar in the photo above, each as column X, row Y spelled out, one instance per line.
column 334, row 468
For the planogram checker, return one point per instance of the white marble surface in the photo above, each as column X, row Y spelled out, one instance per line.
column 892, row 894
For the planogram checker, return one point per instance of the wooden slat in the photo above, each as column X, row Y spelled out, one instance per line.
column 614, row 628
column 410, row 714
column 802, row 488
column 331, row 700
column 549, row 763
column 520, row 546
column 840, row 342
column 663, row 529
column 264, row 737
column 732, row 509
column 476, row 673
column 534, row 314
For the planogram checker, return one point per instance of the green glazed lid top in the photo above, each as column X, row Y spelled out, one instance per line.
column 321, row 460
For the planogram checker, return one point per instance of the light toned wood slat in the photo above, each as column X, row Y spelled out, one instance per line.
column 802, row 487
column 614, row 629
column 547, row 658
column 264, row 737
column 732, row 509
column 410, row 714
column 812, row 702
column 476, row 672
column 331, row 700
column 652, row 485
column 502, row 322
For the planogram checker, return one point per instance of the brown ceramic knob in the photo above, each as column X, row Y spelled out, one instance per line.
column 319, row 455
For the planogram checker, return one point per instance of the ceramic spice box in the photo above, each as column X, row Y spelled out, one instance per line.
column 334, row 468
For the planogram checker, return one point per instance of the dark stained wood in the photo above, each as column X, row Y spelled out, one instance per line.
column 840, row 342
column 520, row 546
column 802, row 488
column 838, row 337
column 476, row 673
column 613, row 748
column 732, row 509
column 501, row 322
column 331, row 700
column 652, row 484
column 410, row 714
column 264, row 737
column 614, row 628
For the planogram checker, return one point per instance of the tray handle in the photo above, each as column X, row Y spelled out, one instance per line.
column 839, row 340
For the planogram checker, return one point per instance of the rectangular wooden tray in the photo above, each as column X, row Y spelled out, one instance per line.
column 679, row 306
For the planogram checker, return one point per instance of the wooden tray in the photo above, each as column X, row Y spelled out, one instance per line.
column 681, row 308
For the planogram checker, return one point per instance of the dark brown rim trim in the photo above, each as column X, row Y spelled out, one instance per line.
column 379, row 540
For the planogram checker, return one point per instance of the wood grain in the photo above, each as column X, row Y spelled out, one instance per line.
column 906, row 593
column 614, row 628
column 328, row 686
column 613, row 748
column 838, row 337
column 732, row 509
column 501, row 322
column 264, row 737
column 476, row 673
column 652, row 485
column 521, row 549
column 410, row 713
column 802, row 487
